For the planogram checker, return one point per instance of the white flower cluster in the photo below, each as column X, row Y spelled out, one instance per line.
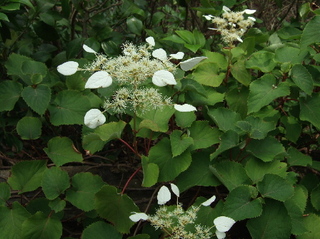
column 232, row 25
column 175, row 222
column 133, row 71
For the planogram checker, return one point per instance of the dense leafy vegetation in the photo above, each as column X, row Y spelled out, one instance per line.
column 253, row 141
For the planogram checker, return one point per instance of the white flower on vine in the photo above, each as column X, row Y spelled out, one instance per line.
column 137, row 216
column 163, row 195
column 184, row 108
column 162, row 78
column 223, row 223
column 68, row 68
column 150, row 41
column 209, row 201
column 160, row 54
column 94, row 118
column 88, row 49
column 179, row 55
column 99, row 79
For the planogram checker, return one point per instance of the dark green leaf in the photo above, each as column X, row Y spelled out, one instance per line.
column 296, row 158
column 29, row 127
column 240, row 73
column 92, row 143
column 135, row 25
column 309, row 109
column 311, row 223
column 225, row 119
column 109, row 131
column 5, row 193
column 256, row 127
column 37, row 98
column 208, row 74
column 261, row 60
column 315, row 197
column 303, row 79
column 184, row 119
column 179, row 142
column 9, row 94
column 100, row 230
column 150, row 172
column 228, row 140
column 203, row 135
column 293, row 128
column 310, row 33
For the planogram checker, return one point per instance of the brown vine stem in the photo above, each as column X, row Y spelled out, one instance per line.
column 129, row 179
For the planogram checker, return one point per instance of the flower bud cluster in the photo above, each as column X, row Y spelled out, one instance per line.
column 232, row 25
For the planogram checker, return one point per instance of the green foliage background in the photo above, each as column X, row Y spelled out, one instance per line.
column 254, row 141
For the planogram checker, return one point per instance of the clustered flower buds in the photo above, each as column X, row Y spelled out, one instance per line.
column 133, row 72
column 176, row 223
column 232, row 25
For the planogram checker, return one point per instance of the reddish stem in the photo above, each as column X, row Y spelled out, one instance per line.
column 132, row 149
column 129, row 180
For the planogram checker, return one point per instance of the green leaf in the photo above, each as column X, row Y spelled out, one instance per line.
column 208, row 74
column 230, row 173
column 203, row 135
column 61, row 151
column 156, row 120
column 198, row 174
column 293, row 128
column 134, row 25
column 263, row 91
column 273, row 223
column 26, row 176
column 296, row 158
column 240, row 73
column 5, row 193
column 265, row 149
column 150, row 172
column 311, row 223
column 255, row 127
column 115, row 207
column 309, row 109
column 29, row 128
column 228, row 140
column 84, row 187
column 212, row 97
column 37, row 98
column 237, row 100
column 92, row 143
column 184, row 119
column 303, row 79
column 4, row 17
column 54, row 182
column 310, row 33
column 41, row 227
column 11, row 7
column 9, row 94
column 224, row 118
column 100, row 230
column 109, row 131
column 69, row 107
column 192, row 85
column 57, row 205
column 241, row 203
column 261, row 60
column 315, row 197
column 170, row 167
column 289, row 54
column 179, row 142
column 11, row 220
column 275, row 187
column 257, row 169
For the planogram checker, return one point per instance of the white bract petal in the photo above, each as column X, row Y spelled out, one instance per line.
column 239, row 39
column 160, row 54
column 99, row 79
column 185, row 108
column 208, row 17
column 150, row 41
column 137, row 216
column 68, row 68
column 164, row 195
column 252, row 19
column 190, row 63
column 163, row 78
column 223, row 223
column 94, row 118
column 175, row 189
column 179, row 55
column 226, row 9
column 209, row 201
column 249, row 11
column 220, row 235
column 88, row 49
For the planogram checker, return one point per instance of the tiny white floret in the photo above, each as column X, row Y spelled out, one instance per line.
column 175, row 189
column 223, row 223
column 160, row 54
column 68, row 68
column 164, row 195
column 137, row 216
column 179, row 55
column 99, row 79
column 88, row 49
column 209, row 201
column 150, row 41
column 163, row 78
column 184, row 108
column 94, row 118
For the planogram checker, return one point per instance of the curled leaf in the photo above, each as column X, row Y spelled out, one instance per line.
column 68, row 68
column 99, row 79
column 94, row 118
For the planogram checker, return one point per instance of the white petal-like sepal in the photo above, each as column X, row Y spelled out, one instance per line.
column 163, row 78
column 68, row 68
column 209, row 201
column 249, row 11
column 99, row 79
column 150, row 41
column 137, row 216
column 220, row 235
column 88, row 49
column 208, row 17
column 164, row 195
column 226, row 9
column 190, row 63
column 175, row 189
column 223, row 223
column 252, row 19
column 160, row 54
column 185, row 108
column 94, row 118
column 179, row 55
